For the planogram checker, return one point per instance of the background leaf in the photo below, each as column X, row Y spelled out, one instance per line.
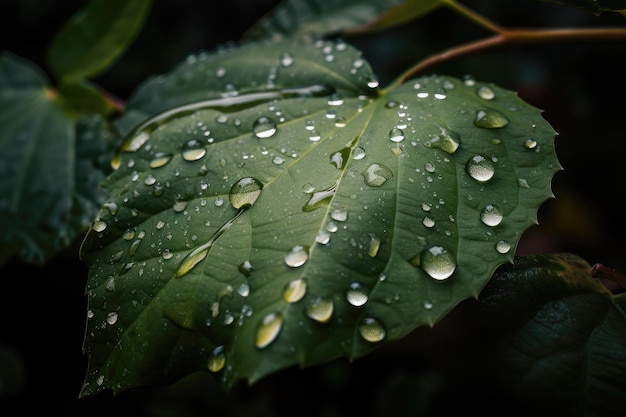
column 42, row 207
column 96, row 36
column 594, row 6
column 560, row 335
column 320, row 17
column 299, row 214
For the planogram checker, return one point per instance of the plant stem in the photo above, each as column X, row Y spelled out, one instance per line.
column 506, row 37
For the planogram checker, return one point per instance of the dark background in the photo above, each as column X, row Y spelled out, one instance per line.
column 581, row 88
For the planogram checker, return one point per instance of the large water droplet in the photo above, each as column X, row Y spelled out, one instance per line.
column 491, row 215
column 372, row 330
column 217, row 359
column 297, row 256
column 320, row 309
column 245, row 192
column 295, row 290
column 376, row 174
column 264, row 127
column 490, row 119
column 437, row 262
column 480, row 168
column 268, row 329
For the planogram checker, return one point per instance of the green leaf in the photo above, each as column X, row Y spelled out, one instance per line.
column 96, row 37
column 399, row 14
column 297, row 213
column 561, row 335
column 42, row 208
column 323, row 17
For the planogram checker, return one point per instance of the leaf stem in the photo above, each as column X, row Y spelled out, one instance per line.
column 506, row 37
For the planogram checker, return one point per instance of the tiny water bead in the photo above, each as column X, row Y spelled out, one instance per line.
column 245, row 192
column 372, row 330
column 491, row 215
column 264, row 127
column 480, row 168
column 268, row 329
column 396, row 135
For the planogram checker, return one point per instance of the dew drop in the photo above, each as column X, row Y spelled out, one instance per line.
column 372, row 330
column 320, row 309
column 437, row 262
column 486, row 93
column 297, row 256
column 99, row 225
column 285, row 59
column 530, row 144
column 480, row 168
column 358, row 153
column 245, row 192
column 374, row 245
column 502, row 246
column 320, row 198
column 264, row 127
column 376, row 175
column 217, row 359
column 490, row 119
column 294, row 291
column 447, row 141
column 396, row 135
column 322, row 237
column 357, row 294
column 340, row 215
column 491, row 215
column 245, row 268
column 193, row 150
column 112, row 318
column 335, row 99
column 268, row 329
column 160, row 159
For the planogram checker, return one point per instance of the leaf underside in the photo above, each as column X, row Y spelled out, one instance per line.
column 280, row 209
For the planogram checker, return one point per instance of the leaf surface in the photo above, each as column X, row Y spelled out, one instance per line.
column 287, row 211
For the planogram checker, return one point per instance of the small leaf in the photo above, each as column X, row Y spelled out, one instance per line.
column 561, row 335
column 327, row 17
column 287, row 212
column 41, row 209
column 399, row 14
column 96, row 37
